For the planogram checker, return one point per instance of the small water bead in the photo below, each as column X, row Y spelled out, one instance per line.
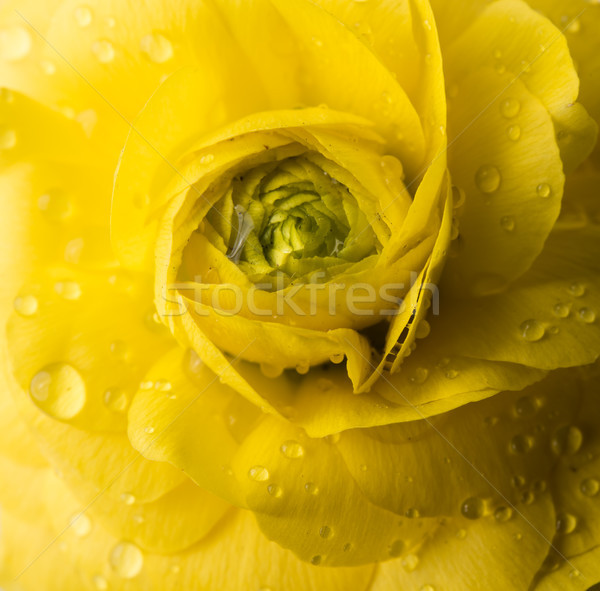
column 488, row 179
column 69, row 290
column 532, row 331
column 325, row 532
column 508, row 223
column 55, row 205
column 565, row 523
column 412, row 513
column 510, row 108
column 303, row 368
column 163, row 385
column 59, row 390
column 461, row 534
column 104, row 51
column 472, row 508
column 420, row 376
column 8, row 138
column 127, row 498
column 396, row 548
column 410, row 562
column 83, row 16
column 100, row 582
column 149, row 430
column 518, row 536
column 26, row 305
column 566, row 440
column 514, row 133
column 423, row 329
column 316, row 560
column 590, row 487
column 270, row 371
column 275, row 491
column 451, row 374
column 347, row 547
column 292, row 449
column 15, row 43
column 458, row 197
column 574, row 26
column 207, row 159
column 427, row 588
column 115, row 399
column 503, row 514
column 311, row 488
column 539, row 487
column 527, row 497
column 491, row 421
column 337, row 358
column 80, row 524
column 577, row 290
column 127, row 560
column 521, row 444
column 543, row 190
column 588, row 316
column 561, row 310
column 526, row 406
column 258, row 473
column 157, row 47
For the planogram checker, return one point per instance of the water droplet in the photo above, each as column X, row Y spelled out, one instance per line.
column 8, row 138
column 561, row 310
column 488, row 179
column 521, row 443
column 26, row 305
column 510, row 108
column 588, row 316
column 311, row 488
column 451, row 374
column 525, row 406
column 574, row 26
column 472, row 508
column 58, row 390
column 55, row 205
column 461, row 534
column 15, row 43
column 316, row 560
column 47, row 67
column 518, row 536
column 127, row 498
column 80, row 524
column 337, row 358
column 271, row 371
column 325, row 532
column 491, row 421
column 532, row 331
column 508, row 223
column 566, row 440
column 423, row 329
column 163, row 385
column 104, row 51
column 207, row 159
column 458, row 197
column 544, row 190
column 590, row 487
column 565, row 523
column 115, row 399
column 83, row 16
column 157, row 47
column 395, row 548
column 258, row 473
column 420, row 376
column 149, row 430
column 69, row 290
column 410, row 562
column 100, row 582
column 412, row 513
column 577, row 290
column 127, row 560
column 527, row 497
column 427, row 588
column 303, row 368
column 503, row 514
column 274, row 490
column 292, row 449
column 514, row 133
column 347, row 547
column 517, row 481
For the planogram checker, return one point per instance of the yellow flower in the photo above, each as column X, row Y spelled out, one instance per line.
column 296, row 284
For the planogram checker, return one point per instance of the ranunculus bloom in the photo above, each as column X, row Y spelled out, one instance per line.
column 300, row 294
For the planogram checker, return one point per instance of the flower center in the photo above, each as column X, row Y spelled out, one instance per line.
column 289, row 219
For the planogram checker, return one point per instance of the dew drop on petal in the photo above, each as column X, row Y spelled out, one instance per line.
column 410, row 562
column 543, row 190
column 412, row 513
column 157, row 47
column 80, row 524
column 316, row 560
column 590, row 487
column 127, row 498
column 510, row 108
column 514, row 133
column 561, row 310
column 503, row 514
column 525, row 406
column 488, row 179
column 26, row 305
column 521, row 443
column 274, row 490
column 58, row 390
column 577, row 290
column 587, row 315
column 311, row 488
column 472, row 508
column 325, row 532
column 270, row 371
column 508, row 223
column 69, row 290
column 83, row 16
column 115, row 399
column 258, row 473
column 126, row 560
column 532, row 331
column 292, row 449
column 396, row 548
column 566, row 440
column 565, row 523
column 15, row 43
column 104, row 51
